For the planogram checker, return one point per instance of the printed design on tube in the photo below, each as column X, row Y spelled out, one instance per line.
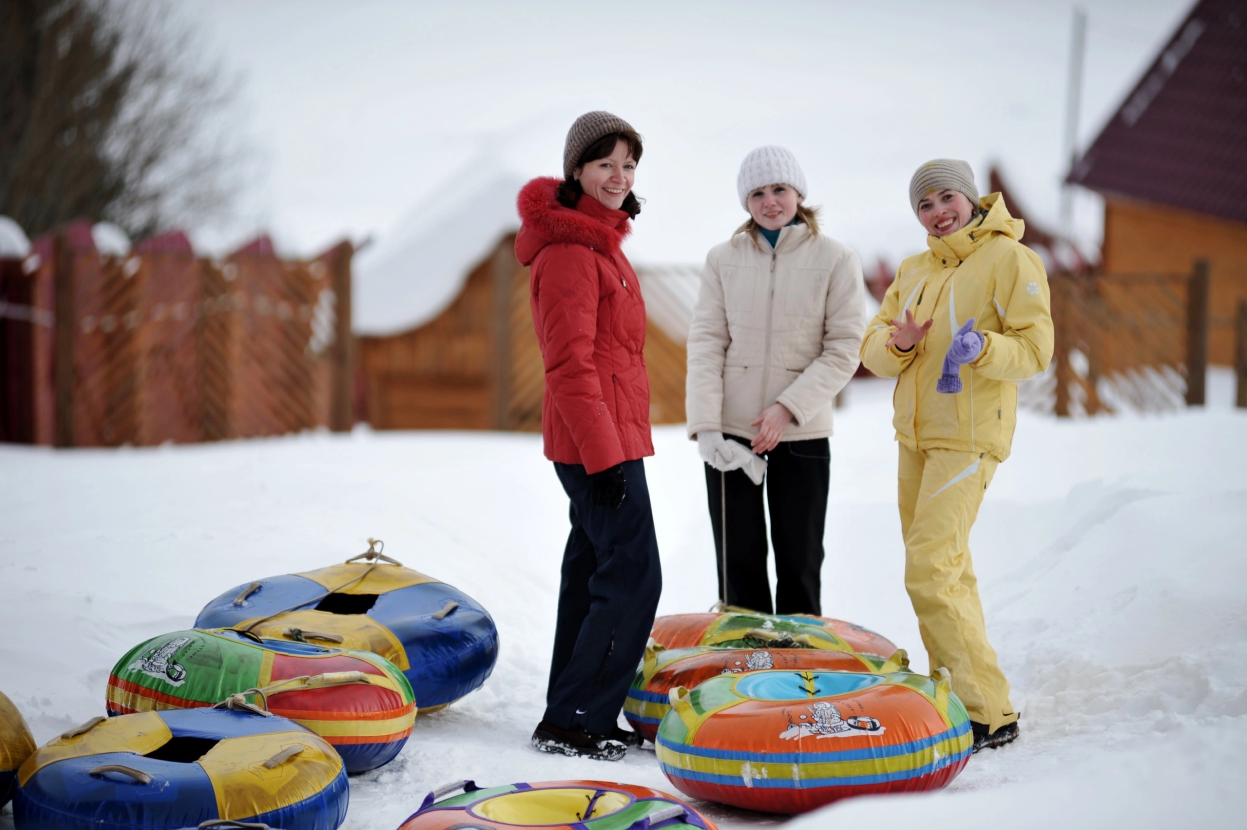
column 159, row 662
column 757, row 661
column 823, row 720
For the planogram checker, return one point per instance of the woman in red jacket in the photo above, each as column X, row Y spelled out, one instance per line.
column 590, row 321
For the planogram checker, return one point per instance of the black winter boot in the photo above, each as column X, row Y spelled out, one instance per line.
column 985, row 740
column 626, row 736
column 576, row 742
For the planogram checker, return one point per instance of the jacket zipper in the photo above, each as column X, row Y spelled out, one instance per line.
column 766, row 354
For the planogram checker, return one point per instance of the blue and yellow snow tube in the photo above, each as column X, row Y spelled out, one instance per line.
column 16, row 745
column 792, row 741
column 440, row 638
column 555, row 805
column 176, row 769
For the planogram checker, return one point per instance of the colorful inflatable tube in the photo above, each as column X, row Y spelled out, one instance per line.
column 357, row 701
column 788, row 742
column 554, row 805
column 16, row 745
column 738, row 626
column 181, row 768
column 662, row 670
column 442, row 639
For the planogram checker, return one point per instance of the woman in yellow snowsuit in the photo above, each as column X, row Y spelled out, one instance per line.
column 961, row 324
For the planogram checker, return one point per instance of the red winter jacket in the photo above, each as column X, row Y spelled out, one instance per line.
column 590, row 321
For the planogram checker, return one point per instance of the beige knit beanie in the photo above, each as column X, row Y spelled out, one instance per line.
column 942, row 174
column 588, row 128
column 768, row 165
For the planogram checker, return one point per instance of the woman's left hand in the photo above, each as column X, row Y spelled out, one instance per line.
column 771, row 425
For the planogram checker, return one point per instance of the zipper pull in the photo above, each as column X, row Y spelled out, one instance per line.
column 624, row 281
column 772, row 262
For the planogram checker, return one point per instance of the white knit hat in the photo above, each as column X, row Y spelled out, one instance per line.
column 768, row 165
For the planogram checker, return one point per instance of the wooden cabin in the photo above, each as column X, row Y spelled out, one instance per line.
column 1171, row 165
column 476, row 364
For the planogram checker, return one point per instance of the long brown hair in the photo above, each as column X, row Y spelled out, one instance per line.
column 808, row 215
column 570, row 191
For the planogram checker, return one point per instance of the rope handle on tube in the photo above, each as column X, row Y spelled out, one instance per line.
column 138, row 775
column 302, row 635
column 83, row 728
column 317, row 681
column 231, row 824
column 444, row 790
column 374, row 555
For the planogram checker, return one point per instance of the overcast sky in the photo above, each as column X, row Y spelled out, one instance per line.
column 363, row 111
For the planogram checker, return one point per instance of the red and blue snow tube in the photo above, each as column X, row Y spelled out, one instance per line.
column 181, row 768
column 443, row 641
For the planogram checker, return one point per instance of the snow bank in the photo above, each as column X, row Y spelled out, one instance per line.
column 418, row 268
column 1109, row 555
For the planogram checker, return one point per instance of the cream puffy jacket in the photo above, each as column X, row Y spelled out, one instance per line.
column 782, row 325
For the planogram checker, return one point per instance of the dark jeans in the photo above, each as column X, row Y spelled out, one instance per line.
column 611, row 582
column 798, row 477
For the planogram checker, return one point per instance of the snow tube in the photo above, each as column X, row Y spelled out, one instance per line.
column 442, row 639
column 180, row 768
column 663, row 669
column 788, row 742
column 554, row 805
column 358, row 702
column 16, row 745
column 739, row 624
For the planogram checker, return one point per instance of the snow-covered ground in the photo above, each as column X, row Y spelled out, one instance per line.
column 1110, row 554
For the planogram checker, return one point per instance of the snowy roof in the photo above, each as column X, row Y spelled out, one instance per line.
column 413, row 273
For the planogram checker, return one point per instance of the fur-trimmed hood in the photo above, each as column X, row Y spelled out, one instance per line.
column 545, row 221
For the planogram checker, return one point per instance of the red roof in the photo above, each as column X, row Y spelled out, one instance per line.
column 1180, row 138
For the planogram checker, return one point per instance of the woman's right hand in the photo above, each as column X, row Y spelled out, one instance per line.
column 908, row 333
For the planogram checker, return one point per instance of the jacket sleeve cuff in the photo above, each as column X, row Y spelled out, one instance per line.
column 798, row 415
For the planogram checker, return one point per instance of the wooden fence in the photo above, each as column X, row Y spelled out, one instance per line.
column 161, row 345
column 1136, row 342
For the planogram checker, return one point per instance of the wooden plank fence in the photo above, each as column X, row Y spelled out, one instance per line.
column 1125, row 341
column 163, row 346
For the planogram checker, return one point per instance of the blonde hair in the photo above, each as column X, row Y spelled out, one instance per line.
column 806, row 215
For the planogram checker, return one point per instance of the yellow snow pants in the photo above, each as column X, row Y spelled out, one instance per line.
column 940, row 492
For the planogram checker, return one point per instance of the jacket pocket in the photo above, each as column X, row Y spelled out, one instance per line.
column 805, row 294
column 740, row 283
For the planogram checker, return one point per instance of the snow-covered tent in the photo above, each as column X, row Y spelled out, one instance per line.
column 442, row 321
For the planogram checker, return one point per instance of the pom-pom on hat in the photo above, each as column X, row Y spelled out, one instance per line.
column 768, row 165
column 587, row 129
column 942, row 174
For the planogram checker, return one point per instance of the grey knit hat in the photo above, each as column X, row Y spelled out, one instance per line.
column 768, row 165
column 588, row 128
column 942, row 174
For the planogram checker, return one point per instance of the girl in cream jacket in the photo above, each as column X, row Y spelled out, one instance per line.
column 774, row 338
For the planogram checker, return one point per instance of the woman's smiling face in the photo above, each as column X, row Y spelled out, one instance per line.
column 774, row 206
column 609, row 180
column 945, row 212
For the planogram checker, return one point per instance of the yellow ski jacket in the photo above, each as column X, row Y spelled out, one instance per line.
column 981, row 271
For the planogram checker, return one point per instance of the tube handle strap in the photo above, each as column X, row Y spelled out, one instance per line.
column 284, row 756
column 302, row 635
column 446, row 610
column 231, row 824
column 137, row 774
column 680, row 703
column 246, row 592
column 83, row 729
column 444, row 790
column 898, row 661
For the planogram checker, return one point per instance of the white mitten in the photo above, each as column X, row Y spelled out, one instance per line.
column 716, row 451
column 753, row 465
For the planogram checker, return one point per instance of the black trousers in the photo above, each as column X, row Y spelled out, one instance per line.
column 798, row 477
column 611, row 581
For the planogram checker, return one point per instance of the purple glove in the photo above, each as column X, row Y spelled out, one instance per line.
column 965, row 347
